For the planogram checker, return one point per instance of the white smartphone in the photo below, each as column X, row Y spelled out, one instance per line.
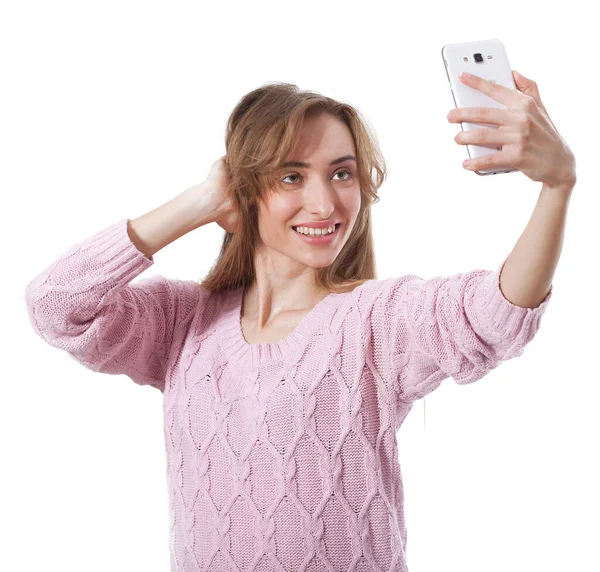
column 486, row 59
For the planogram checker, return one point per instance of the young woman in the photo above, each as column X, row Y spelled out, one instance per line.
column 288, row 370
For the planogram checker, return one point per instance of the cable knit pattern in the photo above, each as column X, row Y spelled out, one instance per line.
column 280, row 456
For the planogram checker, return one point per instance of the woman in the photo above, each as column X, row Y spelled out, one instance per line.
column 287, row 371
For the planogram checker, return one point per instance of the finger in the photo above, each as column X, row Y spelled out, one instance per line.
column 486, row 136
column 496, row 161
column 500, row 93
column 489, row 115
column 527, row 86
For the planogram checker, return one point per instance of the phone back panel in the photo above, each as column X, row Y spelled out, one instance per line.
column 494, row 67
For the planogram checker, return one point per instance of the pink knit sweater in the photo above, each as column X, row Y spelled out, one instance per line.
column 282, row 455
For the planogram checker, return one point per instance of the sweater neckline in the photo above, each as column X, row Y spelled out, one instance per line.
column 257, row 354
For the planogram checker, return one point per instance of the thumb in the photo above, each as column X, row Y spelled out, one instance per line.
column 527, row 86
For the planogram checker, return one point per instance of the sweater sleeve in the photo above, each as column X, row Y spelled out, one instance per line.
column 83, row 304
column 459, row 326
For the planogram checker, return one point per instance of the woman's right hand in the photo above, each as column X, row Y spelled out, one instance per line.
column 217, row 197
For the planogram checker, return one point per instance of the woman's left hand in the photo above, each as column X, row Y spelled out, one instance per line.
column 529, row 140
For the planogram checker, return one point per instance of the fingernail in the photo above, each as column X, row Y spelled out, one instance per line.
column 465, row 74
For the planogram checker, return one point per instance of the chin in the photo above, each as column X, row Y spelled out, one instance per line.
column 312, row 263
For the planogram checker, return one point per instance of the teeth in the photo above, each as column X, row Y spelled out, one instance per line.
column 314, row 231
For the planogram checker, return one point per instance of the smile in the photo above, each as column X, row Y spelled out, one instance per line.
column 318, row 239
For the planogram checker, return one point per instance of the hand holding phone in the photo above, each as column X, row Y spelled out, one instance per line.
column 487, row 59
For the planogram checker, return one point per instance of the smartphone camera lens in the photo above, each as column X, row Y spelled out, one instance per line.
column 478, row 57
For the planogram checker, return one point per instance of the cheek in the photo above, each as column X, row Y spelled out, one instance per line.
column 274, row 222
column 280, row 207
column 351, row 203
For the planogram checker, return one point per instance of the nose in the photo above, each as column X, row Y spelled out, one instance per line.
column 320, row 200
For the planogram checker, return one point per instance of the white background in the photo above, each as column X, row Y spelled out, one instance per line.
column 110, row 109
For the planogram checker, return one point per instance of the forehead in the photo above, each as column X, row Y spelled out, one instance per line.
column 304, row 164
column 325, row 136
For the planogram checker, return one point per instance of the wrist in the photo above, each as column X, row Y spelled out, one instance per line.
column 196, row 200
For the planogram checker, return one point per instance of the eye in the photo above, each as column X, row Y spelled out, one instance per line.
column 346, row 171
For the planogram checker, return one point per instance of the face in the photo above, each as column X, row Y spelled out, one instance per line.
column 318, row 192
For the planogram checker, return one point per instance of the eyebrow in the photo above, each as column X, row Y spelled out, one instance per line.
column 307, row 165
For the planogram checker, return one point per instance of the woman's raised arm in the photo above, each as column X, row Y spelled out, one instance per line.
column 84, row 303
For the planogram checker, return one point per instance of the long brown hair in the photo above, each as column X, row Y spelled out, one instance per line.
column 262, row 131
